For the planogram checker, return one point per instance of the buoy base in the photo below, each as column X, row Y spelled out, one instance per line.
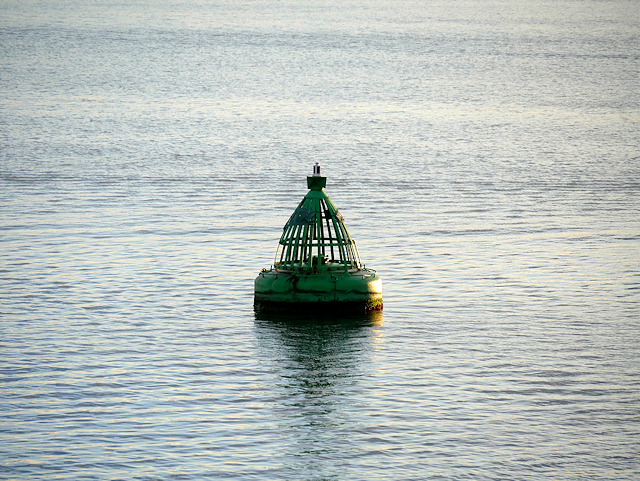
column 338, row 291
column 318, row 307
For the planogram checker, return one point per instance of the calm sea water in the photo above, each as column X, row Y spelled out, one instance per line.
column 485, row 156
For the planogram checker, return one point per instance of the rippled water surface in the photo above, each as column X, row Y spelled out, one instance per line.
column 484, row 155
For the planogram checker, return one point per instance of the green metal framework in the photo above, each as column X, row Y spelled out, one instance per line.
column 315, row 237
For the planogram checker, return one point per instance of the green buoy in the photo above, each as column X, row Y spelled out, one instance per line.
column 317, row 266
